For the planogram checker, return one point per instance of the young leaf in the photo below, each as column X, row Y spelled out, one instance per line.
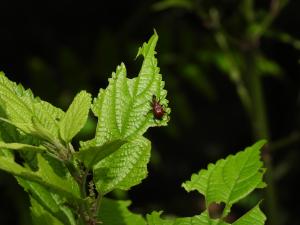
column 230, row 179
column 124, row 107
column 255, row 216
column 75, row 117
column 20, row 107
column 114, row 212
column 94, row 154
column 124, row 112
column 124, row 168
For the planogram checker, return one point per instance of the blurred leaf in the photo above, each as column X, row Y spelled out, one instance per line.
column 166, row 4
column 284, row 38
column 266, row 66
column 247, row 8
column 197, row 78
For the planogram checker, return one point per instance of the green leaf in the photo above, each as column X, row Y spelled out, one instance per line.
column 166, row 4
column 41, row 216
column 20, row 107
column 255, row 216
column 113, row 212
column 203, row 219
column 266, row 66
column 124, row 107
column 48, row 169
column 94, row 154
column 154, row 219
column 230, row 179
column 50, row 201
column 124, row 112
column 46, row 175
column 8, row 133
column 75, row 117
column 124, row 168
column 20, row 146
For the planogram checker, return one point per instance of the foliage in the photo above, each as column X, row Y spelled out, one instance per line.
column 227, row 181
column 56, row 174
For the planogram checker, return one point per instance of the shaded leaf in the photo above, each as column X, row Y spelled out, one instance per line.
column 45, row 176
column 94, row 154
column 50, row 201
column 41, row 216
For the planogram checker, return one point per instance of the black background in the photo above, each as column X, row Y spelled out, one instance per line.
column 79, row 44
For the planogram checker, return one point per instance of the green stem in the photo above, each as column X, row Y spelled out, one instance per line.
column 234, row 73
column 261, row 131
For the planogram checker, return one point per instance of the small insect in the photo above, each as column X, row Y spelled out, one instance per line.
column 157, row 108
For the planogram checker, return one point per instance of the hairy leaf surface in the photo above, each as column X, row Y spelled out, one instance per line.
column 20, row 107
column 124, row 112
column 124, row 168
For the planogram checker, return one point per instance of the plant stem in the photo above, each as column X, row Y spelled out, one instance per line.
column 261, row 131
column 234, row 73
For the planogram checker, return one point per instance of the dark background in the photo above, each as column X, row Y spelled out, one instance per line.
column 57, row 48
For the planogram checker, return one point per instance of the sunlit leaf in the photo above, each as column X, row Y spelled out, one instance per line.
column 75, row 117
